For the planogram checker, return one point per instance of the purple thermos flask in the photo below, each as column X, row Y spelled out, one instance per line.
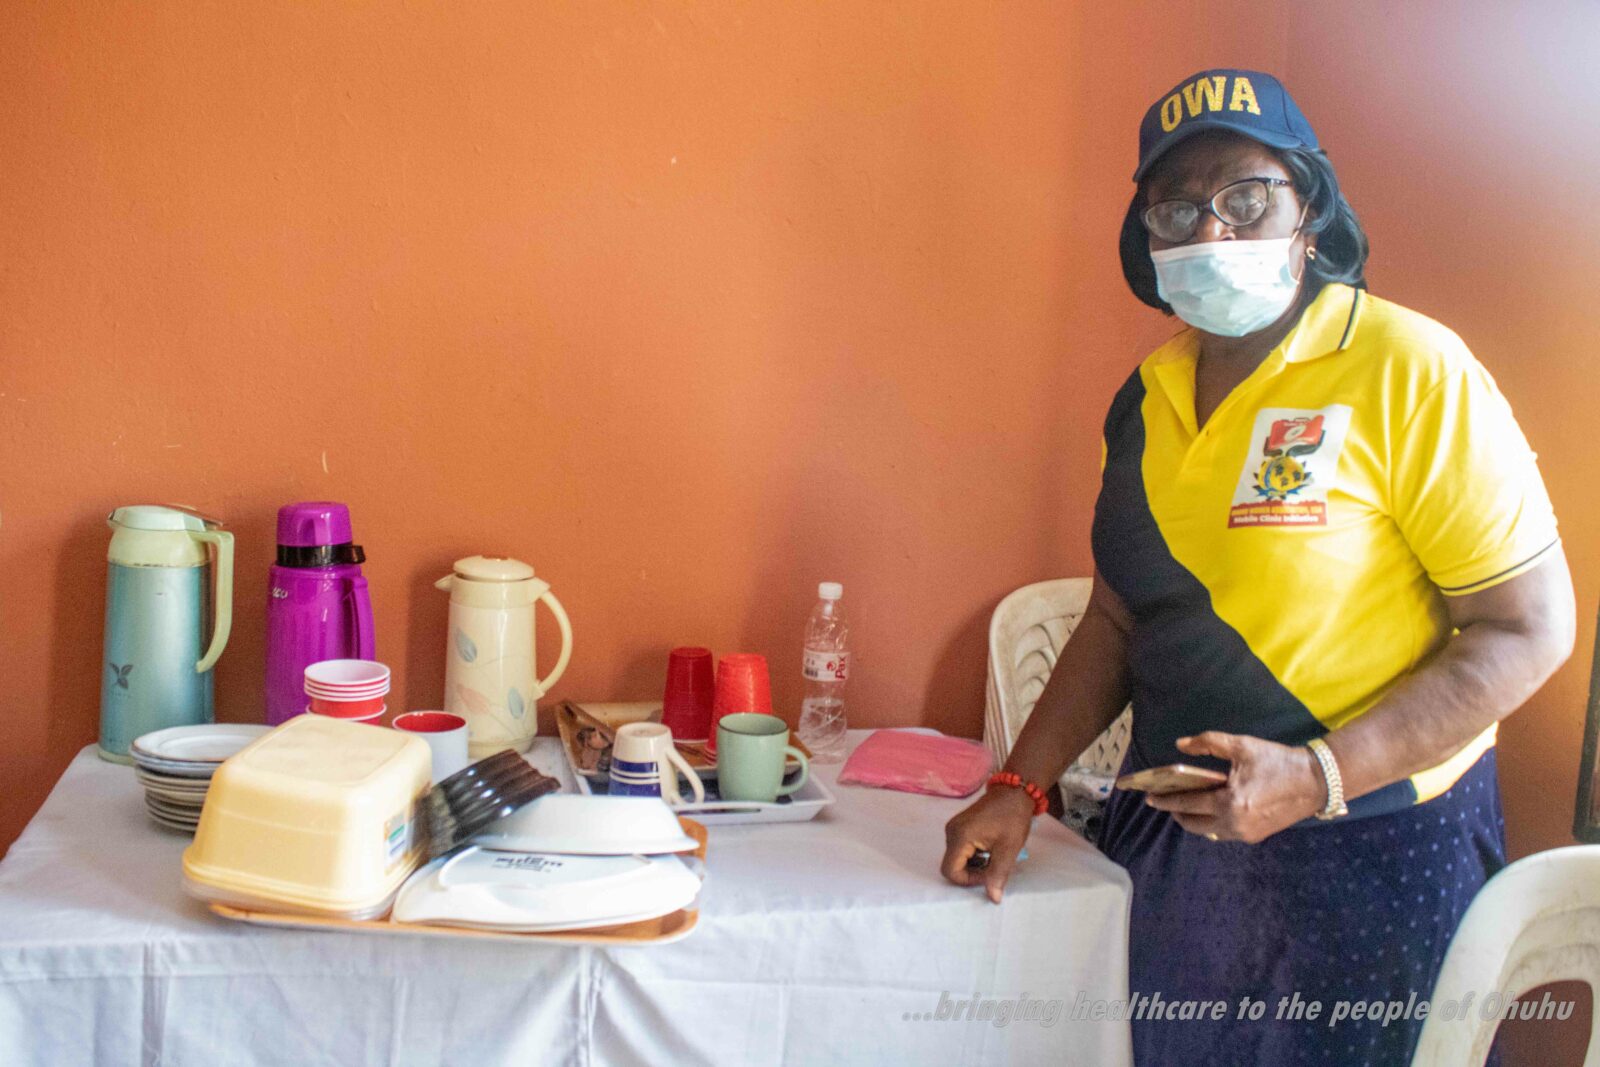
column 317, row 602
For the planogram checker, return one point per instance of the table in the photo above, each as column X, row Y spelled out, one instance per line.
column 828, row 942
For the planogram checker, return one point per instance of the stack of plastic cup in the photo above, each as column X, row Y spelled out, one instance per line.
column 743, row 685
column 686, row 707
column 350, row 689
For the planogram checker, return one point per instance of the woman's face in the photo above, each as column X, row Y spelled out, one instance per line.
column 1200, row 167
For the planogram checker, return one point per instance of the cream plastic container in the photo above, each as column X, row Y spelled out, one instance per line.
column 314, row 817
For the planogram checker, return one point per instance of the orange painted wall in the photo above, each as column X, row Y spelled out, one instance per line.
column 1466, row 136
column 694, row 304
column 691, row 305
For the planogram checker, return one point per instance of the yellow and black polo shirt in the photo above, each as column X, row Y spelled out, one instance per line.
column 1287, row 563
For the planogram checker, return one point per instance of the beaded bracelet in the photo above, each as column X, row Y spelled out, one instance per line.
column 1041, row 803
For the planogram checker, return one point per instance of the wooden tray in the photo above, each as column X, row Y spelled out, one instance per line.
column 661, row 931
column 570, row 717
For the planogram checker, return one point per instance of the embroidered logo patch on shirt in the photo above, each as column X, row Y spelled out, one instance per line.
column 1293, row 462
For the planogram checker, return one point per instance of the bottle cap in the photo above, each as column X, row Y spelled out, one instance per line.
column 312, row 523
column 156, row 517
column 830, row 590
column 493, row 569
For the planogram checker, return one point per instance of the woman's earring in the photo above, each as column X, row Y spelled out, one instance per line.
column 1311, row 251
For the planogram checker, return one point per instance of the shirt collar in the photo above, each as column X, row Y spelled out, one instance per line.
column 1328, row 325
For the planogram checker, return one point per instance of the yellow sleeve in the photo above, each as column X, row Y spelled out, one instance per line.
column 1465, row 486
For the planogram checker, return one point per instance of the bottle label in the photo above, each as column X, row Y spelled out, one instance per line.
column 825, row 666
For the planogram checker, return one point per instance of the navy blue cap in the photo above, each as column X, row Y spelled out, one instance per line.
column 1244, row 101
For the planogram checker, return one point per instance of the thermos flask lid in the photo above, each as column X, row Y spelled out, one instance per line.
column 156, row 517
column 314, row 522
column 492, row 569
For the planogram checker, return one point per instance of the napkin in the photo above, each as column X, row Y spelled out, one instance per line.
column 918, row 763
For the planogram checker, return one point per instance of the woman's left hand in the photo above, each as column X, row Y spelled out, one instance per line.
column 1270, row 787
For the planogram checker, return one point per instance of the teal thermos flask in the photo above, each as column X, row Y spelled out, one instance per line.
column 166, row 622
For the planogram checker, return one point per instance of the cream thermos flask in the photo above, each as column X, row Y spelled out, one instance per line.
column 490, row 678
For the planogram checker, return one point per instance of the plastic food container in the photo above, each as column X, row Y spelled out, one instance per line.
column 314, row 817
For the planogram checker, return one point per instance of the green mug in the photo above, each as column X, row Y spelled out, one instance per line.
column 751, row 752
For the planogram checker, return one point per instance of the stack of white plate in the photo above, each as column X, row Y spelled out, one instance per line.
column 563, row 862
column 525, row 892
column 175, row 767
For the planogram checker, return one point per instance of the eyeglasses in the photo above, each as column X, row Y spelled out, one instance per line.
column 1239, row 204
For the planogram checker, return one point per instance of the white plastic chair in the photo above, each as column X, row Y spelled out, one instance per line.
column 1535, row 922
column 1026, row 634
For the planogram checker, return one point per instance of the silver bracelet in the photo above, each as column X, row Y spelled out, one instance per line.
column 1330, row 774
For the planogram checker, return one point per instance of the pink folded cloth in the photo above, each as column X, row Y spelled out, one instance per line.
column 918, row 763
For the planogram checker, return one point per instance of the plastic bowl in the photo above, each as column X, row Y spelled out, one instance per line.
column 591, row 826
column 334, row 675
column 346, row 694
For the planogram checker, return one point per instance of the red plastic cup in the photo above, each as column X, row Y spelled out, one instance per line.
column 367, row 707
column 691, row 691
column 743, row 684
column 372, row 719
column 347, row 688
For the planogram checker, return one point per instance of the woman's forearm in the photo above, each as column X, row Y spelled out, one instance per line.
column 1085, row 693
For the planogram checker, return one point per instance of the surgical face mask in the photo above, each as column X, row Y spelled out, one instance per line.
column 1229, row 288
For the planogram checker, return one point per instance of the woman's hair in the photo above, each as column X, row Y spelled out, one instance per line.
column 1341, row 244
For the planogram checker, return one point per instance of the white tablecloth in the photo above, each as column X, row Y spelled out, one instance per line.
column 818, row 942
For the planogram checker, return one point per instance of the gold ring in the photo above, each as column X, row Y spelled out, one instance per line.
column 1212, row 837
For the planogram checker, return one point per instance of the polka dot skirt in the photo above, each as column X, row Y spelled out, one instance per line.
column 1348, row 912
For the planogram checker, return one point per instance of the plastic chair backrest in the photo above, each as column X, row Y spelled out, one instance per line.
column 1537, row 921
column 1026, row 634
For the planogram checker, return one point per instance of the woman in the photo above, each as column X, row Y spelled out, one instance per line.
column 1325, row 564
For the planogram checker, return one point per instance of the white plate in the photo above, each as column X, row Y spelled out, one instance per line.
column 527, row 892
column 204, row 743
column 176, row 812
column 171, row 782
column 192, row 771
column 172, row 823
column 175, row 802
column 177, row 796
column 552, row 928
column 590, row 826
column 168, row 800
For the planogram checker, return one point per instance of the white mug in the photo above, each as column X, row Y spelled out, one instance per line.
column 644, row 762
column 446, row 735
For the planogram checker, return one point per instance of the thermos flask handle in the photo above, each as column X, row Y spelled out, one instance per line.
column 556, row 609
column 361, row 602
column 222, row 615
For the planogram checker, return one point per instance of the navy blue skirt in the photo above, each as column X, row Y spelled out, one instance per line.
column 1357, row 911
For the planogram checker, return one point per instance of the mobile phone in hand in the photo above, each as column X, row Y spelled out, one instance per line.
column 1173, row 778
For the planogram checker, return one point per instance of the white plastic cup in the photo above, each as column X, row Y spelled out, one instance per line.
column 446, row 735
column 353, row 676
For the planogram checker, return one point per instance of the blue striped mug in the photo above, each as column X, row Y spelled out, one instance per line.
column 645, row 763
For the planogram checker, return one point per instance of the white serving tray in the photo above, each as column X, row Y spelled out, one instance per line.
column 806, row 803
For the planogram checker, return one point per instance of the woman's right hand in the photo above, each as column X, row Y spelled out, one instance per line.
column 998, row 823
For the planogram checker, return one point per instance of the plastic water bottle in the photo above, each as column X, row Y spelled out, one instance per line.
column 825, row 667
